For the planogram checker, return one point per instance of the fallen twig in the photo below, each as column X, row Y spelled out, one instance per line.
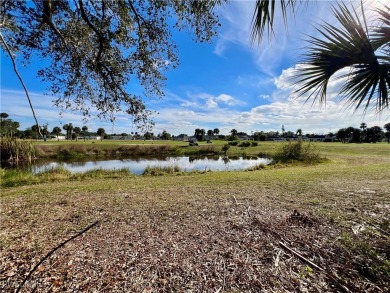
column 330, row 276
column 300, row 256
column 379, row 229
column 52, row 251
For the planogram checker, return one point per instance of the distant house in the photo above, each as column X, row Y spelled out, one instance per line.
column 181, row 137
column 54, row 137
column 315, row 138
column 93, row 137
column 291, row 138
column 243, row 137
column 120, row 137
column 272, row 138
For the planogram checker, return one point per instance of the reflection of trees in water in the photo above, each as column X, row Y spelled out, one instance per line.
column 197, row 158
column 225, row 160
column 200, row 158
column 212, row 162
column 215, row 158
column 250, row 158
column 20, row 165
column 82, row 164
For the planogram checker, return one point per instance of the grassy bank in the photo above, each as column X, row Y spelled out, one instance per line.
column 124, row 149
column 207, row 231
column 118, row 148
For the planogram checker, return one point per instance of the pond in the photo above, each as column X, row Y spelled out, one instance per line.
column 138, row 166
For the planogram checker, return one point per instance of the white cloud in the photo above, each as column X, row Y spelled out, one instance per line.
column 185, row 113
column 225, row 98
column 264, row 97
column 189, row 104
column 228, row 100
column 205, row 100
column 211, row 104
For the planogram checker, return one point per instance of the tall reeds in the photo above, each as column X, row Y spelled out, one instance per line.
column 15, row 150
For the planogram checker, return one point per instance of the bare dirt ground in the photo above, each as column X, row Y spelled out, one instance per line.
column 290, row 230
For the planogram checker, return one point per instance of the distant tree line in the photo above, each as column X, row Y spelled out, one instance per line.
column 364, row 133
column 361, row 134
column 9, row 127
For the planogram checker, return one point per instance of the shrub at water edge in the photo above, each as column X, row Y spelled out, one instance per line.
column 297, row 151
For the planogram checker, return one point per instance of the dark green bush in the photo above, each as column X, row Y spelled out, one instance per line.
column 225, row 148
column 296, row 151
column 245, row 144
column 233, row 143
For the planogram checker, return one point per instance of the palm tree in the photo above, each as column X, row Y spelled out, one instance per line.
column 387, row 127
column 101, row 133
column 35, row 128
column 233, row 133
column 364, row 52
column 65, row 127
column 264, row 16
column 202, row 133
column 299, row 132
column 374, row 134
column 199, row 133
column 57, row 130
column 85, row 129
column 45, row 131
column 210, row 133
column 355, row 46
column 77, row 131
column 3, row 116
column 363, row 127
column 69, row 129
column 216, row 131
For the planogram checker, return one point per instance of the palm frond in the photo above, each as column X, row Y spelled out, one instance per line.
column 263, row 16
column 345, row 46
column 381, row 34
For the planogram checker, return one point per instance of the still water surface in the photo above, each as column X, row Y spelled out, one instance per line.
column 138, row 166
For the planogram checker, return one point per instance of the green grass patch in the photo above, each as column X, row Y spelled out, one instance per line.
column 14, row 177
column 257, row 167
column 160, row 171
column 368, row 260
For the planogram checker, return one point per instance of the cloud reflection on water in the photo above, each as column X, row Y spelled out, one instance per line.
column 138, row 166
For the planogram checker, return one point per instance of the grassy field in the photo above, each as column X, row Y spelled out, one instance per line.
column 316, row 228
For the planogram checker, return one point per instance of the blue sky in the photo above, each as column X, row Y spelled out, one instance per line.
column 226, row 84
